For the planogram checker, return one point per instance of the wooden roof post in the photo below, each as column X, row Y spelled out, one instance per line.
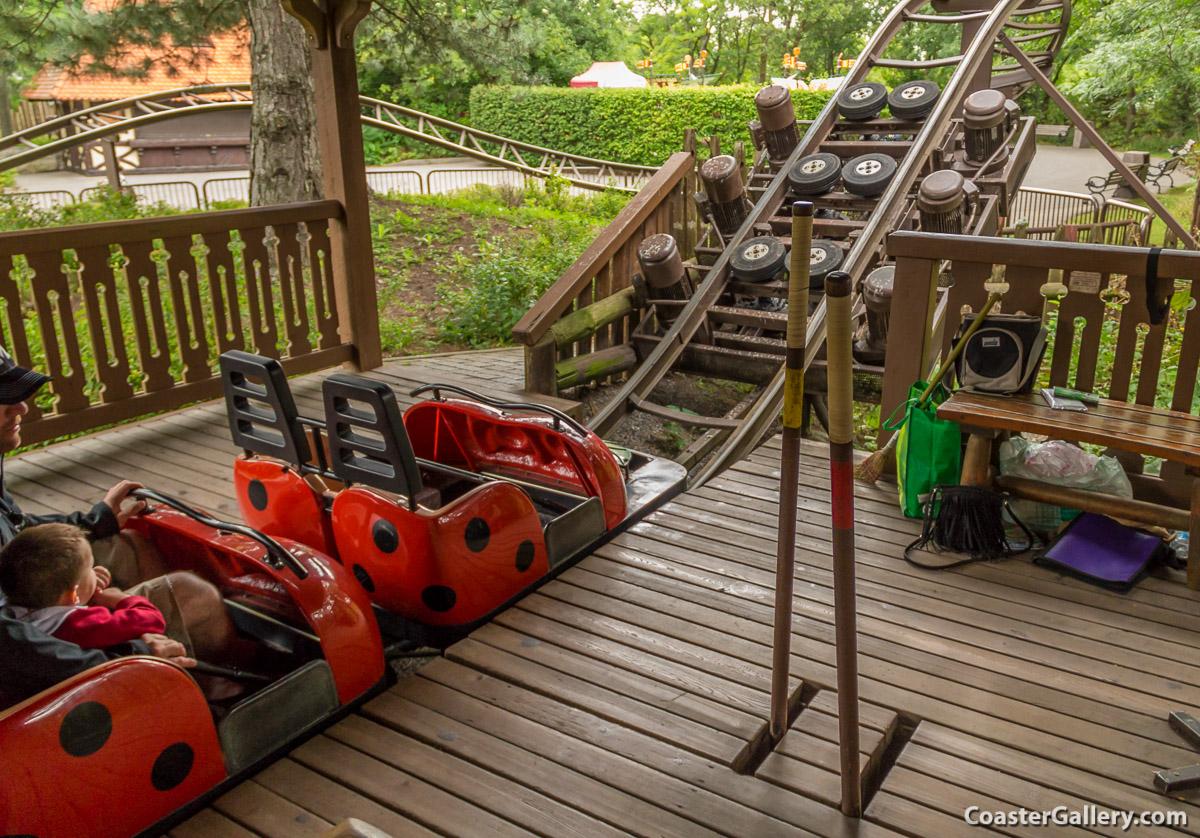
column 335, row 83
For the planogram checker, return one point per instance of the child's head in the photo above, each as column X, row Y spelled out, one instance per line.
column 49, row 564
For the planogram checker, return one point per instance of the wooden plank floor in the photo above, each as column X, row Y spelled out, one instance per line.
column 615, row 700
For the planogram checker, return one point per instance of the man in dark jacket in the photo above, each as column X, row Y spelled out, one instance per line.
column 30, row 659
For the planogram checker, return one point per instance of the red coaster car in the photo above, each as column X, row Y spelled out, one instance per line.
column 445, row 515
column 118, row 748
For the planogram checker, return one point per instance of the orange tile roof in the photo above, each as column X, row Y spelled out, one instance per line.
column 225, row 59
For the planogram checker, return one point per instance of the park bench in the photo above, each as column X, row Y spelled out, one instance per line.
column 1126, row 419
column 1097, row 184
column 1166, row 168
column 1059, row 132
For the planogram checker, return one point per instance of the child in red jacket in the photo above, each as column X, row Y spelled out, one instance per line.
column 48, row 576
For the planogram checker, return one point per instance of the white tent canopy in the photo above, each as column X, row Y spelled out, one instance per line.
column 608, row 74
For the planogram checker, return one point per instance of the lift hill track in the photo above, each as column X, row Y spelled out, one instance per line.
column 600, row 319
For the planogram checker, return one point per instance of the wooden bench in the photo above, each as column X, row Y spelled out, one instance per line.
column 1134, row 428
column 1106, row 297
column 1059, row 132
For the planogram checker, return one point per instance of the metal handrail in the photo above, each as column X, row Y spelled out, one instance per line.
column 277, row 555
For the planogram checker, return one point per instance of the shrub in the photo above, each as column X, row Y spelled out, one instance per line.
column 632, row 125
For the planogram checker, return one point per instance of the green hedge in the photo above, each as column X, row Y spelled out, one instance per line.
column 630, row 125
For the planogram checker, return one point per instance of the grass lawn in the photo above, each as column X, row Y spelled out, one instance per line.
column 1178, row 202
column 457, row 271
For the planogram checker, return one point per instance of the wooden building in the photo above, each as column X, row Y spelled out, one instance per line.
column 190, row 143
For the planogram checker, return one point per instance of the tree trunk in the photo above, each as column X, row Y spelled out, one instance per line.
column 6, row 120
column 1130, row 113
column 285, row 158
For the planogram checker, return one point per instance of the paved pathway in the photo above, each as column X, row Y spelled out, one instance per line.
column 1059, row 167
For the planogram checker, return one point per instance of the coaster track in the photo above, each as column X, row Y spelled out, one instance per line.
column 114, row 118
column 974, row 69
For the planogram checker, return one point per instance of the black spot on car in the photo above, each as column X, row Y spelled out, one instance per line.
column 257, row 493
column 525, row 556
column 385, row 536
column 364, row 578
column 85, row 729
column 439, row 598
column 172, row 766
column 478, row 534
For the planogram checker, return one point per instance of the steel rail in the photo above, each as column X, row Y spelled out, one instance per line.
column 105, row 120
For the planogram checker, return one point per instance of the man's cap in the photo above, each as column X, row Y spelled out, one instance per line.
column 16, row 382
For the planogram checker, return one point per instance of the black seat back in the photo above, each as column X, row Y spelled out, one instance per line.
column 367, row 440
column 262, row 417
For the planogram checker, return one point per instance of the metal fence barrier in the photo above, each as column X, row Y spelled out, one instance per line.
column 450, row 180
column 187, row 196
column 1045, row 209
column 180, row 194
column 226, row 189
column 395, row 182
column 1113, row 222
column 45, row 200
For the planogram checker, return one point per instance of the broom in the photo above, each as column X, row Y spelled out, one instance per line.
column 874, row 465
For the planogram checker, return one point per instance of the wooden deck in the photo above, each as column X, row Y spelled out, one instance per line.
column 616, row 699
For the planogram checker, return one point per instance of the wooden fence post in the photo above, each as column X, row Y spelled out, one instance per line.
column 911, row 322
column 335, row 85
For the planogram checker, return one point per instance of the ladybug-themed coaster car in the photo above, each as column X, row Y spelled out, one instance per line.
column 115, row 750
column 443, row 515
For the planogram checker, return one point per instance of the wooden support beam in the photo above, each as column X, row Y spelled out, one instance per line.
column 586, row 321
column 584, row 368
column 335, row 85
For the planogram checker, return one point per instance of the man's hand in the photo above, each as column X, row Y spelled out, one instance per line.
column 108, row 598
column 116, row 497
column 162, row 646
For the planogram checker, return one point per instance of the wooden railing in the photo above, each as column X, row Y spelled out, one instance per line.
column 129, row 316
column 578, row 331
column 1103, row 291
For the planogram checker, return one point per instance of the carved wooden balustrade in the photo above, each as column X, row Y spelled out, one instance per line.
column 129, row 316
column 578, row 331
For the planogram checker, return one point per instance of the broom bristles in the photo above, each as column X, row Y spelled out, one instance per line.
column 872, row 467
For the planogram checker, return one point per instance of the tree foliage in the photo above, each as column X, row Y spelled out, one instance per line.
column 1139, row 60
column 746, row 41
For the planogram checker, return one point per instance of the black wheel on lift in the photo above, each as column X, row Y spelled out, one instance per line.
column 758, row 259
column 862, row 101
column 823, row 257
column 815, row 174
column 868, row 175
column 913, row 99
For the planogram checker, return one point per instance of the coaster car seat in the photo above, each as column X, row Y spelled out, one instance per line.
column 443, row 514
column 116, row 749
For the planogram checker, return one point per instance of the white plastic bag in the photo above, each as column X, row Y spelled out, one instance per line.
column 1062, row 464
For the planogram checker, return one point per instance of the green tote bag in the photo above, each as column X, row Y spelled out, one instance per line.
column 928, row 451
